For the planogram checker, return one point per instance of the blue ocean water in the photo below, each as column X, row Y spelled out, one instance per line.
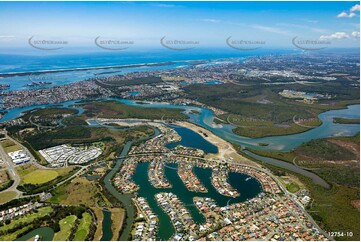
column 45, row 62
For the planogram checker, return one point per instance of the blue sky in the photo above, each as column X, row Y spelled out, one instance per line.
column 209, row 23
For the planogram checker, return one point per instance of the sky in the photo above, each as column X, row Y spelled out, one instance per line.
column 205, row 24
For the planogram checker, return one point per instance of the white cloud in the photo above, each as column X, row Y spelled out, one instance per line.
column 336, row 35
column 342, row 15
column 6, row 37
column 163, row 5
column 211, row 20
column 271, row 29
column 355, row 8
column 356, row 34
column 311, row 21
column 317, row 30
column 352, row 13
column 346, row 15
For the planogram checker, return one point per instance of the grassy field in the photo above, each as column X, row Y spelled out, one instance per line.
column 40, row 176
column 66, row 226
column 31, row 174
column 83, row 228
column 5, row 180
column 117, row 217
column 99, row 226
column 7, row 196
column 10, row 146
column 78, row 191
column 3, row 177
column 25, row 169
column 292, row 187
column 31, row 183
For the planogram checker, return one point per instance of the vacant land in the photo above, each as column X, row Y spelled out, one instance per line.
column 3, row 177
column 66, row 226
column 292, row 187
column 5, row 180
column 10, row 146
column 40, row 176
column 7, row 196
column 83, row 228
column 117, row 217
column 25, row 169
column 78, row 191
column 32, row 183
column 31, row 174
column 99, row 226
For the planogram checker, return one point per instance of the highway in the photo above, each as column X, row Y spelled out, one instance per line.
column 12, row 172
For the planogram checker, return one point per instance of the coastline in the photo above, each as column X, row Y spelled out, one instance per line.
column 11, row 74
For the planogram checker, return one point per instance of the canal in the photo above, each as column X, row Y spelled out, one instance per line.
column 248, row 188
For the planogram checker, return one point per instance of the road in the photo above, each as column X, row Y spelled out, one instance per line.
column 12, row 172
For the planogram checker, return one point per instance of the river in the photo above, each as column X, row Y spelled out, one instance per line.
column 204, row 118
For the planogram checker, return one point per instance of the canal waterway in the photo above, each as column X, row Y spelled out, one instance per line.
column 248, row 188
column 107, row 226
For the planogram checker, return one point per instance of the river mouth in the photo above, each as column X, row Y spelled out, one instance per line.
column 246, row 185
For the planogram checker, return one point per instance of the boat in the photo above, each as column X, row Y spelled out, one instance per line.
column 248, row 178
